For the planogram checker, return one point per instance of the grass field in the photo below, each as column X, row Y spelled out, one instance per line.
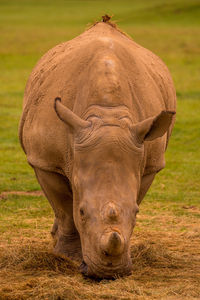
column 166, row 240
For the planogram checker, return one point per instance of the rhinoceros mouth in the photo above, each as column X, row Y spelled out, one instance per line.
column 100, row 270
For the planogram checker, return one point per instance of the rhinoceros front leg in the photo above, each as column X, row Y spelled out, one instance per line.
column 145, row 185
column 57, row 189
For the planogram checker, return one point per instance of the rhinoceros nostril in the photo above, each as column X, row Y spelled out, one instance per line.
column 83, row 268
column 105, row 253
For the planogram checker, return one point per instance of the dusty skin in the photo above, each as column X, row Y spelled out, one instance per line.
column 97, row 116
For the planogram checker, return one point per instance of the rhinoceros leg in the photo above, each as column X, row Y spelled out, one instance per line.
column 57, row 190
column 145, row 185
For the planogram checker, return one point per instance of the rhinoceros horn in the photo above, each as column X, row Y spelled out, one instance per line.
column 68, row 117
column 112, row 243
column 153, row 127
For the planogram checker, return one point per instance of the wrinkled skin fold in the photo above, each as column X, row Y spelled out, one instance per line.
column 97, row 116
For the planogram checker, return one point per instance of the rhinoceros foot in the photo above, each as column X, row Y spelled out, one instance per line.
column 66, row 245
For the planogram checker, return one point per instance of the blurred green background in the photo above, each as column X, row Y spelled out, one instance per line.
column 28, row 28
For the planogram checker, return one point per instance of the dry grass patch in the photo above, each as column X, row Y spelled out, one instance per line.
column 165, row 252
column 165, row 266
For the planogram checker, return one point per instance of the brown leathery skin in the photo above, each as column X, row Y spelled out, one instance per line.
column 97, row 116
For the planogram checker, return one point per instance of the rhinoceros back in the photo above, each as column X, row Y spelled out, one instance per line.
column 76, row 72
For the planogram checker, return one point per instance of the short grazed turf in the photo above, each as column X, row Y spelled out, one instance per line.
column 166, row 241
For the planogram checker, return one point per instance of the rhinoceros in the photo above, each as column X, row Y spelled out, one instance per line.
column 97, row 116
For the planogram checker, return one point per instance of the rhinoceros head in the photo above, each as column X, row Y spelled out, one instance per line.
column 107, row 166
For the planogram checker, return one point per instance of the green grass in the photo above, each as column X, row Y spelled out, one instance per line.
column 171, row 29
column 24, row 212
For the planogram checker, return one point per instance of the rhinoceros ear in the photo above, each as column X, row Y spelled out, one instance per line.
column 153, row 127
column 68, row 117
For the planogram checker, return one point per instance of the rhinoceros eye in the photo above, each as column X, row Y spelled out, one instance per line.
column 83, row 216
column 136, row 210
column 82, row 212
